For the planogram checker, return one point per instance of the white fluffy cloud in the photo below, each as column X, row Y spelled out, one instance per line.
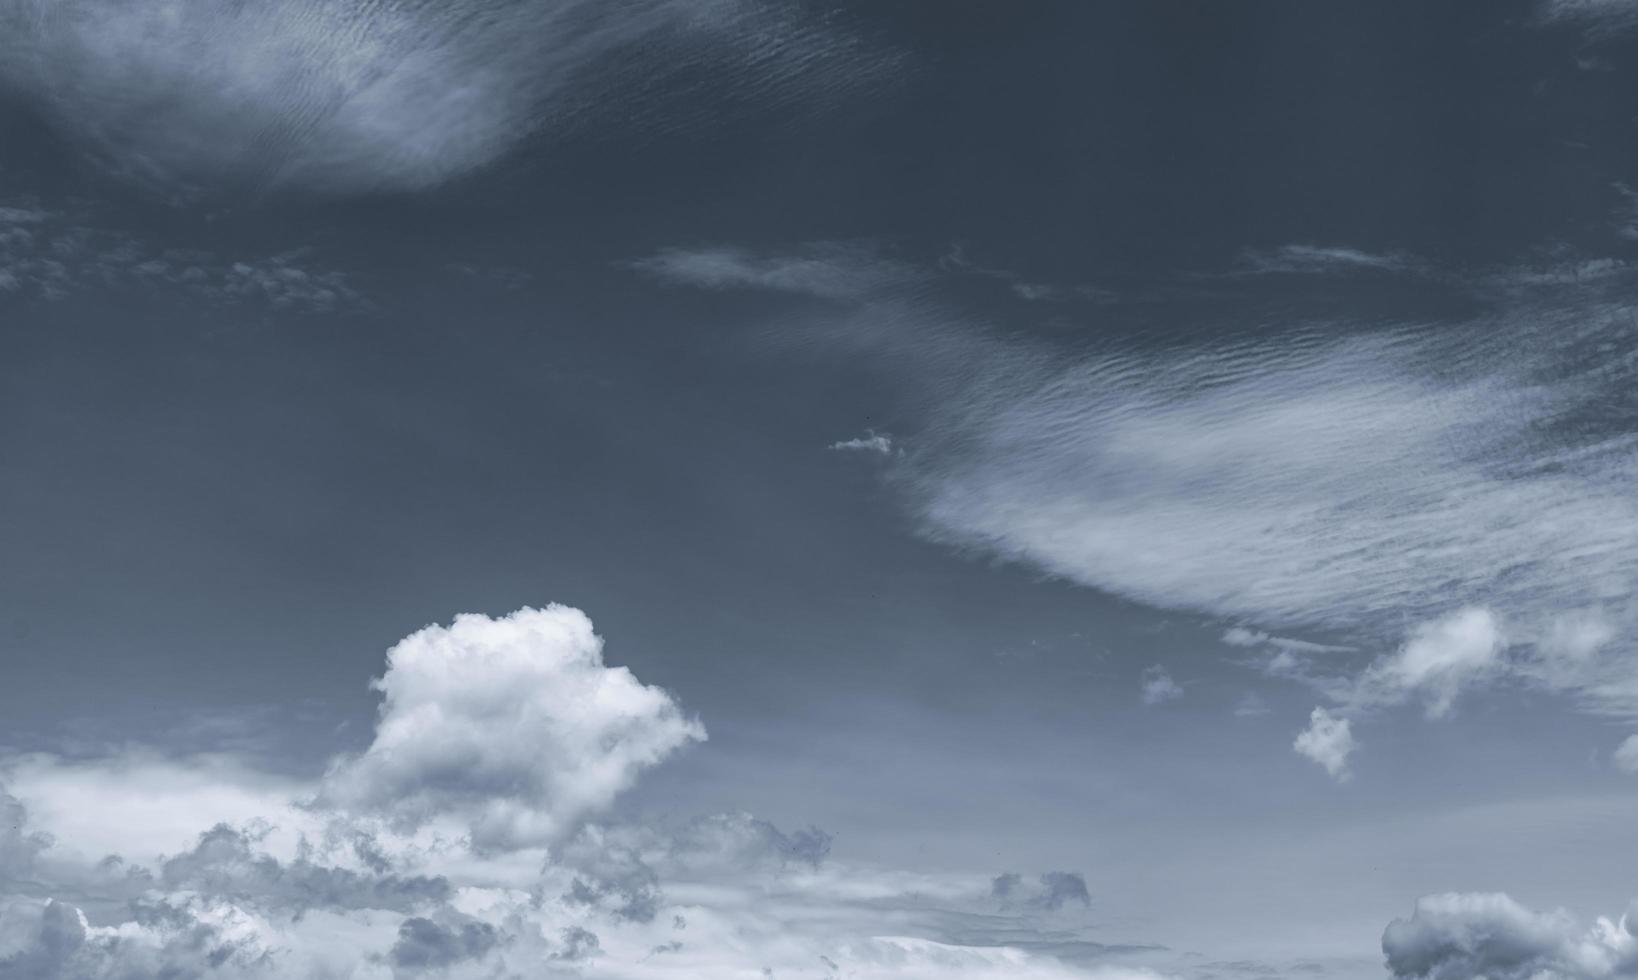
column 1441, row 658
column 1626, row 755
column 512, row 727
column 494, row 733
column 1466, row 936
column 1328, row 740
column 871, row 442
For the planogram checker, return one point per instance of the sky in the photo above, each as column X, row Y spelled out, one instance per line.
column 798, row 489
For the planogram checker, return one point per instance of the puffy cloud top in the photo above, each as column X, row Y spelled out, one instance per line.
column 1464, row 936
column 514, row 728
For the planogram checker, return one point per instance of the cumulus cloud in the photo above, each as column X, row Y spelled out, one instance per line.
column 401, row 860
column 513, row 727
column 353, row 96
column 1466, row 936
column 1329, row 741
column 1157, row 686
column 423, row 943
column 1626, row 755
column 738, row 897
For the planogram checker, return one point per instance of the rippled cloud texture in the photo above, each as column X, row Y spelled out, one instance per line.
column 1452, row 500
column 342, row 97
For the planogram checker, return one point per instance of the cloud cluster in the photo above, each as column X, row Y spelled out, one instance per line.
column 1465, row 936
column 348, row 96
column 421, row 855
column 513, row 727
column 50, row 254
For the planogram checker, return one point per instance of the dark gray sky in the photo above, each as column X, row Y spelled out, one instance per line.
column 1183, row 445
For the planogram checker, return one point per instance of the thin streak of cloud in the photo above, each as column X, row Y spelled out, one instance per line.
column 871, row 442
column 828, row 270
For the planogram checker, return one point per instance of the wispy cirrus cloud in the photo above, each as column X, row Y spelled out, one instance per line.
column 1327, row 259
column 1600, row 17
column 345, row 97
column 1442, row 505
column 825, row 270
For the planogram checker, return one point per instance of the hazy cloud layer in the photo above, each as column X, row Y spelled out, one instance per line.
column 368, row 94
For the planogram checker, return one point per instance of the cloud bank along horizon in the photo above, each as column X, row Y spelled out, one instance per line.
column 463, row 841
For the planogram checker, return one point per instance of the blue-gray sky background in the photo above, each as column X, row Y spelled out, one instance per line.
column 1178, row 454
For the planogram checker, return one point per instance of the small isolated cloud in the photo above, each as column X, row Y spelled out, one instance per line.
column 1473, row 936
column 1626, row 755
column 1323, row 259
column 1440, row 659
column 870, row 442
column 494, row 732
column 1329, row 741
column 1050, row 891
column 827, row 270
column 1157, row 686
column 512, row 727
column 1251, row 705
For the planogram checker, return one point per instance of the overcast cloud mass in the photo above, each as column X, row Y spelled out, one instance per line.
column 1131, row 491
